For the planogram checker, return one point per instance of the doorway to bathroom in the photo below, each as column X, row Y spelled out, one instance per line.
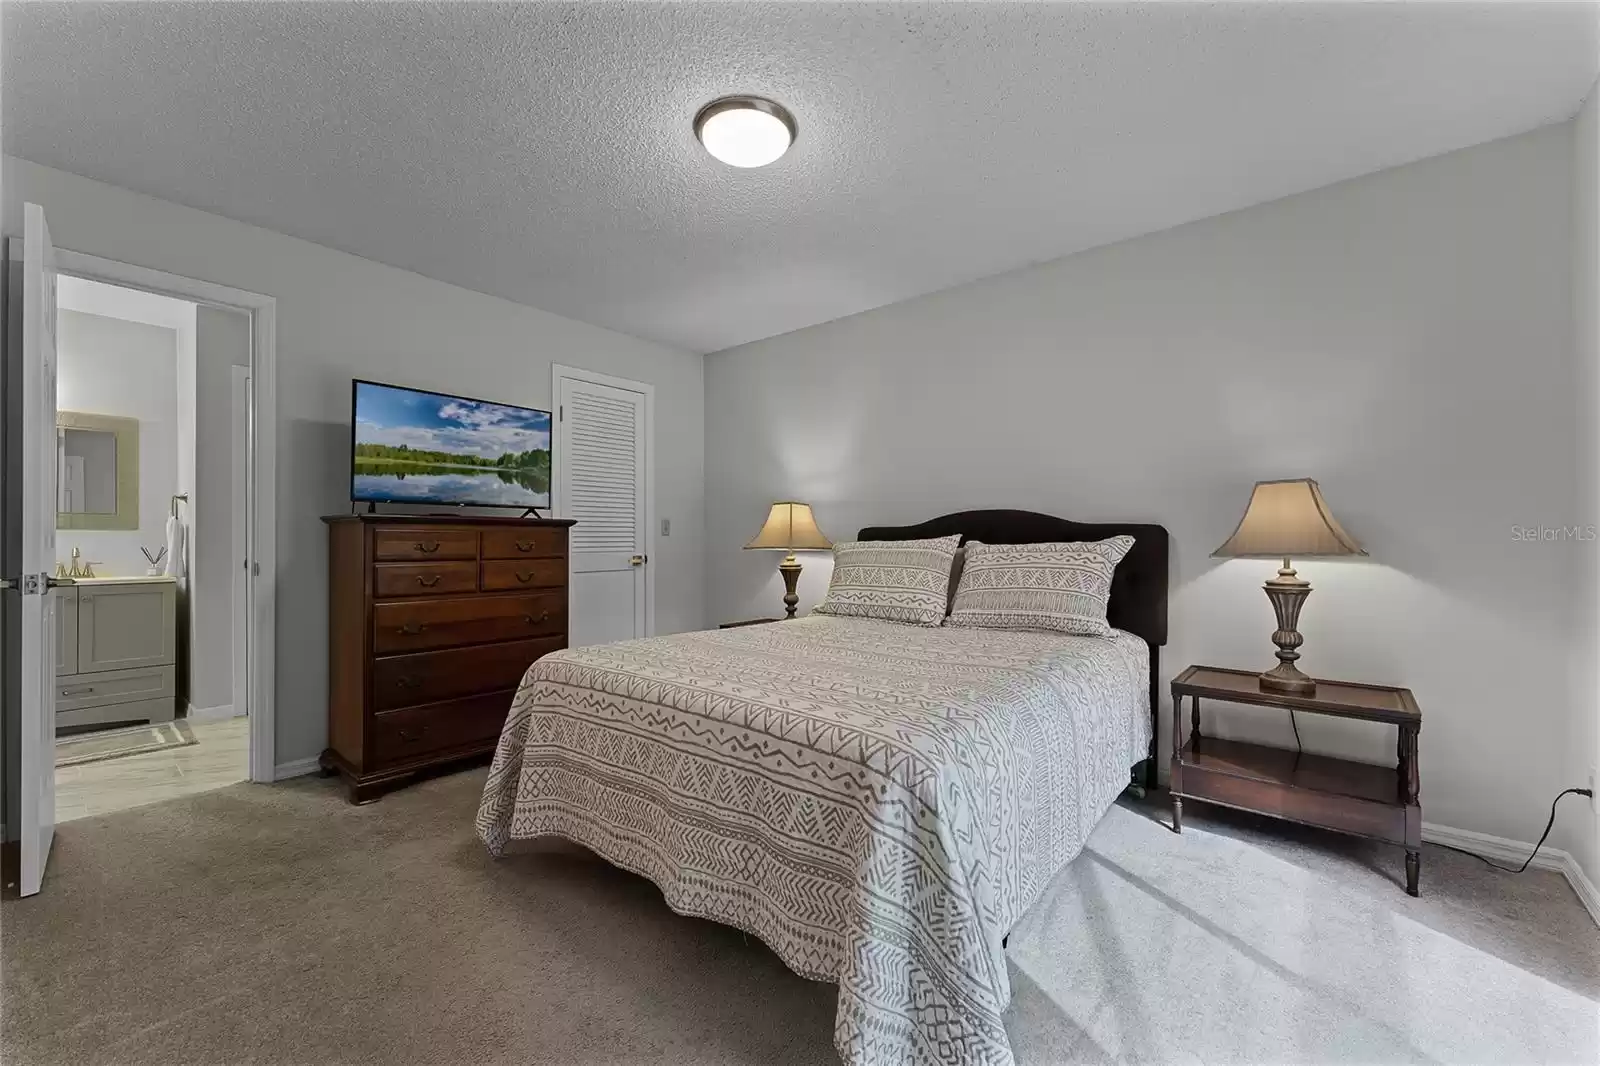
column 152, row 423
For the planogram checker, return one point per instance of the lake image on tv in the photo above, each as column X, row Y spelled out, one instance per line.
column 423, row 448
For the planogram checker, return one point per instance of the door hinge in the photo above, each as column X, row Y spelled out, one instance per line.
column 561, row 412
column 255, row 569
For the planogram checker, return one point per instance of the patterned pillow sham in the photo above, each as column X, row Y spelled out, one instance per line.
column 893, row 580
column 1061, row 586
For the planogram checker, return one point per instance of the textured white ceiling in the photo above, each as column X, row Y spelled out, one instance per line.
column 543, row 152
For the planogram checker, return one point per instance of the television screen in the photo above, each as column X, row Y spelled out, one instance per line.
column 410, row 446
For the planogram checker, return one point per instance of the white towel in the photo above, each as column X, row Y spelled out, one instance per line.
column 175, row 535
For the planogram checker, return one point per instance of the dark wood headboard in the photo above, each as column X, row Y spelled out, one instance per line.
column 1138, row 587
column 1138, row 601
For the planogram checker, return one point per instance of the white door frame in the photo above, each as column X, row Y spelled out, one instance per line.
column 558, row 373
column 260, row 631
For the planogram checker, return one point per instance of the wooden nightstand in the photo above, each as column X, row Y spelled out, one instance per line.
column 748, row 622
column 1378, row 802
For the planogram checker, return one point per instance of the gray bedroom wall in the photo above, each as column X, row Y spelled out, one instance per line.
column 1582, row 828
column 340, row 317
column 1404, row 338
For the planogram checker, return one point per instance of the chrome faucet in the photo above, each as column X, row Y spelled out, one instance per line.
column 84, row 570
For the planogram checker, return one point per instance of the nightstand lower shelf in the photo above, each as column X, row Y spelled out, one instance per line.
column 1318, row 790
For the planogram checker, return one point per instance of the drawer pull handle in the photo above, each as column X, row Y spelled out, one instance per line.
column 412, row 630
column 544, row 616
column 428, row 583
column 525, row 577
column 524, row 545
column 405, row 682
column 429, row 548
column 84, row 691
column 409, row 737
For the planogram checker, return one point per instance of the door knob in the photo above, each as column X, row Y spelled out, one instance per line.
column 638, row 560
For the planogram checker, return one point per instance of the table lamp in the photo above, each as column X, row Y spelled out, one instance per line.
column 1284, row 519
column 790, row 527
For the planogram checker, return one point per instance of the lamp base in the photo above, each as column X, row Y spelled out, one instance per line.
column 1288, row 680
column 1288, row 594
column 790, row 569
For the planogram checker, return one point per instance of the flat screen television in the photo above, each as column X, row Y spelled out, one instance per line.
column 411, row 446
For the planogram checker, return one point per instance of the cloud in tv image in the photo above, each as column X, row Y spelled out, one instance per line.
column 420, row 447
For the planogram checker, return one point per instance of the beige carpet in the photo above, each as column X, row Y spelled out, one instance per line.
column 279, row 925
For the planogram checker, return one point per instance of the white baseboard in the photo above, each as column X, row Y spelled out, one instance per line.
column 299, row 768
column 1500, row 849
column 212, row 714
column 1504, row 850
column 1583, row 887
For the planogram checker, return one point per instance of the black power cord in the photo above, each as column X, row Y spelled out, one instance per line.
column 1536, row 847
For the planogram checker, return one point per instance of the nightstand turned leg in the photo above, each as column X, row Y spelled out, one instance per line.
column 1410, row 793
column 1175, row 771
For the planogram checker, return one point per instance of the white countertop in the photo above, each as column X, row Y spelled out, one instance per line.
column 141, row 579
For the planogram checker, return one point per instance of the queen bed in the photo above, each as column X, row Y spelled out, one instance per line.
column 878, row 802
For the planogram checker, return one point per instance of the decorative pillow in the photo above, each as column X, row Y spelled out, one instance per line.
column 895, row 580
column 1061, row 586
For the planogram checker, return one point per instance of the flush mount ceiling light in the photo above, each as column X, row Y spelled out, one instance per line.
column 745, row 131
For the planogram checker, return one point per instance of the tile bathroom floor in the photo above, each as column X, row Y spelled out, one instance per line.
column 222, row 757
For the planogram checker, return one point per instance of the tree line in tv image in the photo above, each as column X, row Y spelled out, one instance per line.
column 421, row 447
column 530, row 469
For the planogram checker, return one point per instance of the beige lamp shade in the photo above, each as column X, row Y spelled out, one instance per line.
column 1288, row 519
column 790, row 526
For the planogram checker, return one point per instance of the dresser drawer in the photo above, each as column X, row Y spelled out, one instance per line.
column 422, row 544
column 419, row 625
column 115, row 686
column 431, row 676
column 524, row 543
column 503, row 575
column 390, row 580
column 404, row 735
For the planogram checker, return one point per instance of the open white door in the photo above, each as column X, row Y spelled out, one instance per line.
column 241, row 539
column 37, row 759
column 602, row 467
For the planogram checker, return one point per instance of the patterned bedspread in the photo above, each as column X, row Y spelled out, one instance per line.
column 877, row 802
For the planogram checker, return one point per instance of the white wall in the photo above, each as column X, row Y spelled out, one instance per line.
column 341, row 317
column 110, row 366
column 1580, row 828
column 1404, row 338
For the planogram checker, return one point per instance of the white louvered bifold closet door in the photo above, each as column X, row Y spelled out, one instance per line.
column 603, row 470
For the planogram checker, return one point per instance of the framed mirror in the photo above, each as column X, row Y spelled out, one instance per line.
column 97, row 471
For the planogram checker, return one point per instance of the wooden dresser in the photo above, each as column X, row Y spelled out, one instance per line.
column 431, row 623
